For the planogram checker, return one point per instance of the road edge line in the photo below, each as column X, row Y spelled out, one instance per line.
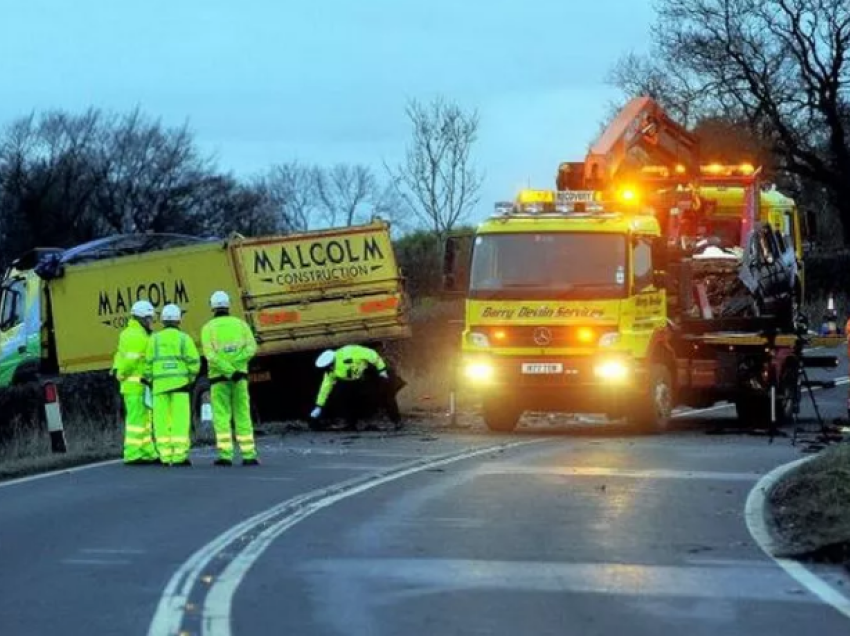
column 58, row 471
column 755, row 517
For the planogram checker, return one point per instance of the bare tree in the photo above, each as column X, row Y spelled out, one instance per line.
column 781, row 66
column 291, row 188
column 437, row 179
column 346, row 192
column 66, row 179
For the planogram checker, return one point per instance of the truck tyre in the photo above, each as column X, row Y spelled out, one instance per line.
column 754, row 410
column 654, row 407
column 500, row 416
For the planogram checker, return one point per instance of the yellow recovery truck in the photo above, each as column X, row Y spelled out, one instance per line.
column 575, row 304
column 61, row 311
column 647, row 279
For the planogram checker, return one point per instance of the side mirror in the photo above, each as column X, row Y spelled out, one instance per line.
column 457, row 256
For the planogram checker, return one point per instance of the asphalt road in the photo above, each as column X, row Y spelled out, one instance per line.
column 563, row 528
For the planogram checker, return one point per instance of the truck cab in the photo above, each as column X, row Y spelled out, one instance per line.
column 20, row 326
column 565, row 310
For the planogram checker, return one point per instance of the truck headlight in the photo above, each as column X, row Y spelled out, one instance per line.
column 612, row 370
column 479, row 371
column 478, row 339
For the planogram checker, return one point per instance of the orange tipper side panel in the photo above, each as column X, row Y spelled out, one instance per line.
column 339, row 262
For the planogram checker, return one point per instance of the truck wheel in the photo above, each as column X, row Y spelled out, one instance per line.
column 754, row 410
column 501, row 416
column 653, row 410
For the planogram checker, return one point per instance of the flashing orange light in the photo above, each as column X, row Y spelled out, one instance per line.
column 500, row 334
column 680, row 169
column 747, row 168
column 585, row 335
column 628, row 195
column 714, row 168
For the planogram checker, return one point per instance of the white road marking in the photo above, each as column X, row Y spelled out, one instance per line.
column 757, row 525
column 218, row 602
column 684, row 411
column 95, row 562
column 602, row 471
column 55, row 473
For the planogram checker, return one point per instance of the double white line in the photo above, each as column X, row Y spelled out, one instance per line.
column 245, row 543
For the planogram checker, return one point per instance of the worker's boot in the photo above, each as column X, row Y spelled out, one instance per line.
column 222, row 462
column 251, row 462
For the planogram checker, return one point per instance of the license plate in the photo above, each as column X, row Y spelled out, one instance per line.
column 542, row 368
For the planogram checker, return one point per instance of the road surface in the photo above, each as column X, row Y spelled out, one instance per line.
column 563, row 528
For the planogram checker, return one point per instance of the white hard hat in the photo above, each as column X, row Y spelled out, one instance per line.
column 142, row 309
column 326, row 359
column 219, row 300
column 171, row 313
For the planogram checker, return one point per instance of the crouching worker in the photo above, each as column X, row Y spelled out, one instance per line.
column 228, row 345
column 173, row 364
column 128, row 368
column 358, row 383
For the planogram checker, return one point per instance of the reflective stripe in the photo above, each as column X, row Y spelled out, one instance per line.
column 244, row 438
column 177, row 374
column 135, row 379
column 136, row 429
column 133, row 356
column 136, row 442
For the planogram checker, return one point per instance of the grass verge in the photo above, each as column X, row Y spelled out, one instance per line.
column 89, row 439
column 811, row 509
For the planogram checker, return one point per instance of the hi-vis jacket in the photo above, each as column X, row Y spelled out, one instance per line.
column 172, row 360
column 228, row 345
column 350, row 363
column 129, row 360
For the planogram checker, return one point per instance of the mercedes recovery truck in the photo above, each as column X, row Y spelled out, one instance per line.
column 671, row 283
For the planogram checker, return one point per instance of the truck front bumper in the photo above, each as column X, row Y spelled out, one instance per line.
column 603, row 383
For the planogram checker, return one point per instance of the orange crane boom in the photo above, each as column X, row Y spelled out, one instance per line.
column 641, row 134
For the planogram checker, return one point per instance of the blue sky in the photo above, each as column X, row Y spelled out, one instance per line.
column 266, row 81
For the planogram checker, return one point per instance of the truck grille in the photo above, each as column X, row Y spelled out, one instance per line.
column 544, row 336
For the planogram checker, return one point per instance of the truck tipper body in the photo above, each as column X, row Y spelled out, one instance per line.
column 61, row 311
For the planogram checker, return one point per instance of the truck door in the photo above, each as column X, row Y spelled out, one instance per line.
column 13, row 336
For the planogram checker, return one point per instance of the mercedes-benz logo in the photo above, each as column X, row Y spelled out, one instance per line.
column 542, row 336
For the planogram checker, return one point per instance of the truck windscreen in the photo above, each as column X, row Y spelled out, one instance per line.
column 549, row 265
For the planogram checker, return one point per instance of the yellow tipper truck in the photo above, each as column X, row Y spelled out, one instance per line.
column 61, row 311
